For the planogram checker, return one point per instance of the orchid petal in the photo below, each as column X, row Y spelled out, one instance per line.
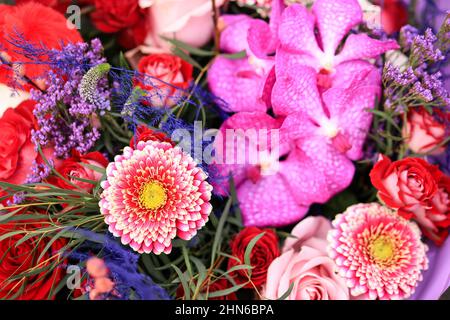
column 351, row 106
column 335, row 166
column 269, row 202
column 296, row 31
column 237, row 84
column 296, row 90
column 334, row 20
column 361, row 46
column 234, row 37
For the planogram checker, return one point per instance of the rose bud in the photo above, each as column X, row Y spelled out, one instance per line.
column 166, row 78
column 407, row 185
column 423, row 133
column 144, row 133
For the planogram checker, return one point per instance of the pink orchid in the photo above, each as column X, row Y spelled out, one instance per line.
column 326, row 131
column 244, row 83
column 265, row 195
column 319, row 138
column 299, row 43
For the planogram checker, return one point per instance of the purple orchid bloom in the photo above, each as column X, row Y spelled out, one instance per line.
column 242, row 82
column 263, row 189
column 436, row 280
column 319, row 138
column 299, row 44
column 326, row 131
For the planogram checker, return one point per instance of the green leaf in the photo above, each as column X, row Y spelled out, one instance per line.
column 249, row 249
column 386, row 117
column 225, row 292
column 218, row 235
column 192, row 50
column 183, row 55
column 287, row 293
column 235, row 56
column 123, row 63
column 184, row 282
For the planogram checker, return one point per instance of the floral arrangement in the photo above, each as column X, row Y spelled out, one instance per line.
column 214, row 149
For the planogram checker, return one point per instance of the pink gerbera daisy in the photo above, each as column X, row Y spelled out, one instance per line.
column 154, row 193
column 377, row 251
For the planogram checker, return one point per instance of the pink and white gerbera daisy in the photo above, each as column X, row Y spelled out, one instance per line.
column 154, row 193
column 377, row 251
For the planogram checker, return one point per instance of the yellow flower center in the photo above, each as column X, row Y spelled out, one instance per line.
column 153, row 195
column 382, row 249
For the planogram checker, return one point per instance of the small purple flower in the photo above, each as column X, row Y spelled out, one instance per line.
column 407, row 35
column 64, row 111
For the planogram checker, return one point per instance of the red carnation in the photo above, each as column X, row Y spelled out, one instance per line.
column 263, row 253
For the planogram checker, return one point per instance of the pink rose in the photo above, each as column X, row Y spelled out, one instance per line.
column 188, row 21
column 305, row 264
column 423, row 133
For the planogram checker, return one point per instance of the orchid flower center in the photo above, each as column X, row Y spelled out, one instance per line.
column 259, row 65
column 268, row 164
column 327, row 63
column 152, row 195
column 338, row 139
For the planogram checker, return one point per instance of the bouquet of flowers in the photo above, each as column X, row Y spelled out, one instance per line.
column 214, row 149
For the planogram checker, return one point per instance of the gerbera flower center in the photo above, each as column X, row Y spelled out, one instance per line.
column 153, row 195
column 382, row 249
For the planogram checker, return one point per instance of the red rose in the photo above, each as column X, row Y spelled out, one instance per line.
column 144, row 133
column 263, row 253
column 17, row 259
column 419, row 191
column 73, row 167
column 114, row 15
column 169, row 74
column 394, row 15
column 406, row 185
column 219, row 285
column 17, row 152
column 38, row 24
column 423, row 132
column 435, row 221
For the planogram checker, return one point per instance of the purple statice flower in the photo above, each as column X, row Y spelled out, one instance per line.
column 423, row 49
column 65, row 110
column 407, row 35
column 397, row 77
column 39, row 171
column 419, row 83
column 420, row 92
